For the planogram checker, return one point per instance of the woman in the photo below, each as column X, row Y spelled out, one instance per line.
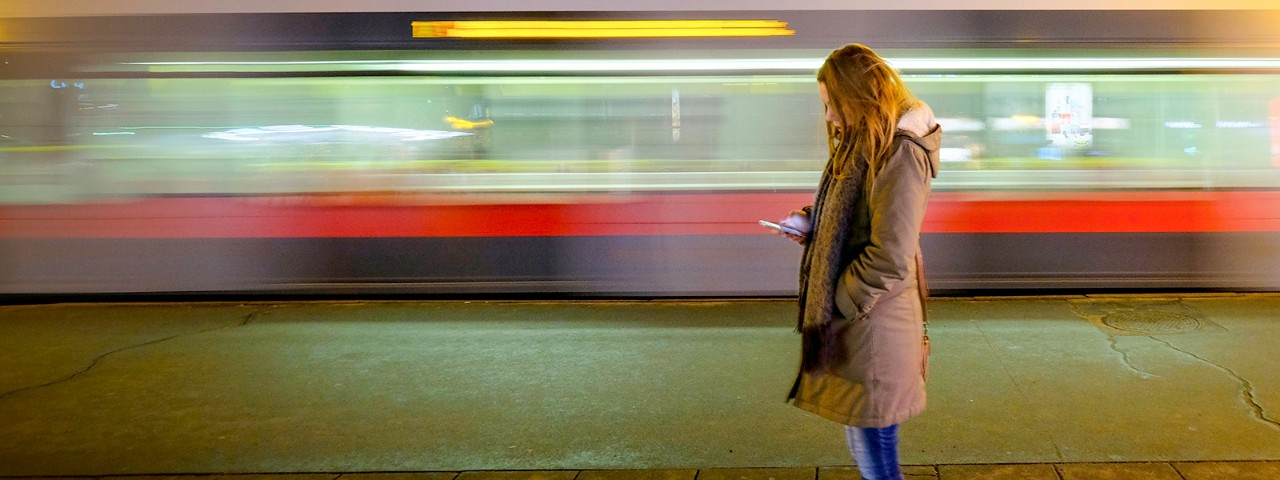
column 861, row 280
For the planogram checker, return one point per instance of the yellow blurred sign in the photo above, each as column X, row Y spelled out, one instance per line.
column 601, row 29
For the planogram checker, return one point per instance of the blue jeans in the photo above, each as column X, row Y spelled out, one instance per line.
column 875, row 450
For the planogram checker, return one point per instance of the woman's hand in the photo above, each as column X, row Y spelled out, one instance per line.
column 799, row 221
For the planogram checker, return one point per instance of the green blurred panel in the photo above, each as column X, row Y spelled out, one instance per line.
column 218, row 134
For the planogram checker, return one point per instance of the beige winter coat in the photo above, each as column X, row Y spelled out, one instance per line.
column 878, row 380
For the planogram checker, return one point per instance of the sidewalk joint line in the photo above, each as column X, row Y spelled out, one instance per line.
column 1057, row 450
column 1174, row 466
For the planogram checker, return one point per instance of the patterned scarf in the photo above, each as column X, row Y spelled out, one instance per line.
column 839, row 198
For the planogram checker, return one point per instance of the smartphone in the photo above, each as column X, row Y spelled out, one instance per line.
column 782, row 228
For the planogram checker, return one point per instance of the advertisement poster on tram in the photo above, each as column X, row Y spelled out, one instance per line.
column 1069, row 114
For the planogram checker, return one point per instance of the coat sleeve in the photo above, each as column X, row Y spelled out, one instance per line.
column 897, row 202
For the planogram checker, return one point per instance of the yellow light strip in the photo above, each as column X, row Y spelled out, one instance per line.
column 601, row 29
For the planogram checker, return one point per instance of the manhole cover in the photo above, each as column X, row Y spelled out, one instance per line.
column 1151, row 322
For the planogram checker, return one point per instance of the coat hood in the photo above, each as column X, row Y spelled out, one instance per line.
column 920, row 123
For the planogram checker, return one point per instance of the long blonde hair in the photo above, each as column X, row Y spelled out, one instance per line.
column 868, row 97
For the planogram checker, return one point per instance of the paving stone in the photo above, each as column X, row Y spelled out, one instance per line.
column 638, row 475
column 229, row 476
column 920, row 473
column 399, row 476
column 851, row 473
column 1231, row 470
column 1118, row 471
column 756, row 474
column 261, row 476
column 520, row 475
column 838, row 473
column 997, row 472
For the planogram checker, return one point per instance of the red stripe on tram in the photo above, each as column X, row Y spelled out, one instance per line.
column 618, row 214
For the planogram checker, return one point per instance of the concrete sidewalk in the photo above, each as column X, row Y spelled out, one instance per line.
column 1069, row 471
column 1063, row 387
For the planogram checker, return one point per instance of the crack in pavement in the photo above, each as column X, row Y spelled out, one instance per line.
column 1096, row 319
column 1246, row 387
column 93, row 363
column 1127, row 361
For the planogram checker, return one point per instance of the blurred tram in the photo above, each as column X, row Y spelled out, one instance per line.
column 337, row 153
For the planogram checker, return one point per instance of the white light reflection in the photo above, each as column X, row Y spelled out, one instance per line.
column 283, row 131
column 1238, row 124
